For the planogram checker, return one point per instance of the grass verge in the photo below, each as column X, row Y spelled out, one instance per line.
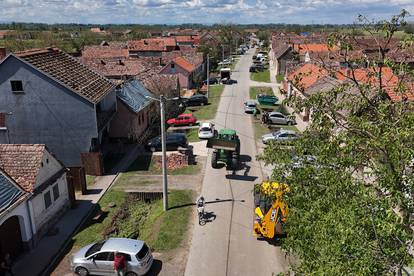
column 208, row 112
column 261, row 76
column 255, row 90
column 90, row 180
column 279, row 78
column 146, row 221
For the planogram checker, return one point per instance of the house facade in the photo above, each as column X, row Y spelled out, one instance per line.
column 48, row 97
column 37, row 194
column 189, row 75
column 135, row 112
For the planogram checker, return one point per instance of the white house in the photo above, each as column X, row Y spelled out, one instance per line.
column 36, row 194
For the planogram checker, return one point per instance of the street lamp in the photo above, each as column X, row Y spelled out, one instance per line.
column 162, row 101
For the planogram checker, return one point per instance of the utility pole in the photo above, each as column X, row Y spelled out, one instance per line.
column 164, row 155
column 222, row 51
column 208, row 73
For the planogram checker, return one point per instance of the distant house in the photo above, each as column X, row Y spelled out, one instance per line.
column 185, row 40
column 135, row 112
column 189, row 74
column 3, row 33
column 49, row 97
column 98, row 30
column 300, row 80
column 280, row 56
column 151, row 47
column 34, row 193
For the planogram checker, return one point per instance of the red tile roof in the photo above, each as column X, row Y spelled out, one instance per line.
column 69, row 71
column 192, row 56
column 152, row 44
column 116, row 67
column 312, row 48
column 158, row 83
column 184, row 63
column 184, row 38
column 396, row 96
column 22, row 162
column 113, row 50
column 306, row 75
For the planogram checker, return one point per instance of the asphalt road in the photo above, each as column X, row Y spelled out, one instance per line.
column 226, row 245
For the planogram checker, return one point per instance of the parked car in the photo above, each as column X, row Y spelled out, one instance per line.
column 281, row 136
column 183, row 120
column 228, row 81
column 197, row 99
column 98, row 258
column 249, row 106
column 281, row 119
column 206, row 131
column 254, row 57
column 211, row 81
column 173, row 142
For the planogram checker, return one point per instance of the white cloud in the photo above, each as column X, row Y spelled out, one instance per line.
column 198, row 11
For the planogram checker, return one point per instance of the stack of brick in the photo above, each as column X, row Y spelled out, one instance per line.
column 174, row 161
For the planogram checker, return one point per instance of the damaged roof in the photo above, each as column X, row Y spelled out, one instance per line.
column 69, row 72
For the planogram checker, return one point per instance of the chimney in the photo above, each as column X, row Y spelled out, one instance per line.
column 121, row 62
column 2, row 53
column 160, row 61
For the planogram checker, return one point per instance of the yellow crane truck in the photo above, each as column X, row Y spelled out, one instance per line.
column 271, row 211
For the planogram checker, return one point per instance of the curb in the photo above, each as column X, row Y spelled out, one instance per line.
column 47, row 271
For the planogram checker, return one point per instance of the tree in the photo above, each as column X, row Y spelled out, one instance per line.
column 351, row 209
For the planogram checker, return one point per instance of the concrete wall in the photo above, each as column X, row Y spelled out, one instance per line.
column 50, row 166
column 41, row 215
column 46, row 113
column 21, row 211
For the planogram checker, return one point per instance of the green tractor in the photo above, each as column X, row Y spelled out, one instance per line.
column 226, row 147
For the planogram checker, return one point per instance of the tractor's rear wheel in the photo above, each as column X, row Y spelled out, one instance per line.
column 214, row 160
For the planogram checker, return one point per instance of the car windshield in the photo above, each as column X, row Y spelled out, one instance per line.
column 276, row 133
column 143, row 252
column 205, row 129
column 94, row 248
column 251, row 105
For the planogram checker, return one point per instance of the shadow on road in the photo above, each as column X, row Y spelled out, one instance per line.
column 209, row 216
column 207, row 202
column 155, row 268
column 241, row 177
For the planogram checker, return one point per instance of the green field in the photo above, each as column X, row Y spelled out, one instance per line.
column 136, row 219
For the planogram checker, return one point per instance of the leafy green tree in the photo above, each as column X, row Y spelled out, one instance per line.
column 351, row 209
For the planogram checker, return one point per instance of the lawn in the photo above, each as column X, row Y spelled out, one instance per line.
column 261, row 76
column 254, row 91
column 208, row 112
column 136, row 219
column 192, row 135
column 279, row 78
column 144, row 164
column 90, row 180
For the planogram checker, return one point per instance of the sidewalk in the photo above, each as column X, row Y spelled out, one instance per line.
column 49, row 249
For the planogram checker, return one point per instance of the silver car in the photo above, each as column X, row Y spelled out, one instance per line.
column 281, row 119
column 98, row 258
column 281, row 136
column 249, row 106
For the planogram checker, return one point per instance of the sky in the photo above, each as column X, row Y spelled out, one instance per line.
column 199, row 11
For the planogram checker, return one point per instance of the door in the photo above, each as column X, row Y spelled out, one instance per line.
column 101, row 263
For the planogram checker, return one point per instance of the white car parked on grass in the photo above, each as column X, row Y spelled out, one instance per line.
column 206, row 131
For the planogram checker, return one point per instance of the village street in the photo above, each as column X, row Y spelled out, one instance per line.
column 226, row 246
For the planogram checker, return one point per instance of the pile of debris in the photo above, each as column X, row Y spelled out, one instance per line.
column 174, row 161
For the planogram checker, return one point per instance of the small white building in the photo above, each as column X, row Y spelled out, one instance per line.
column 35, row 195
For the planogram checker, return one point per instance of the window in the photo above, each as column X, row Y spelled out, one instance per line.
column 143, row 252
column 47, row 199
column 103, row 256
column 56, row 192
column 16, row 85
column 2, row 121
column 172, row 65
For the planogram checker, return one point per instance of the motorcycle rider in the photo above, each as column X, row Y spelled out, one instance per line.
column 200, row 203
